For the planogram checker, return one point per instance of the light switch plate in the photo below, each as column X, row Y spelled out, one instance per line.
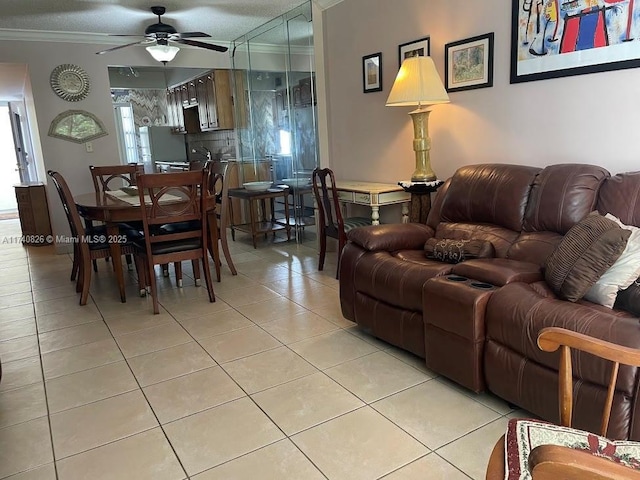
column 89, row 147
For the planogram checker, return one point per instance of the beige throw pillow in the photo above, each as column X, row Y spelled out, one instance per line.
column 622, row 273
column 587, row 250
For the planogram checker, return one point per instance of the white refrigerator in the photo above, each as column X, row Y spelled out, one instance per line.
column 158, row 144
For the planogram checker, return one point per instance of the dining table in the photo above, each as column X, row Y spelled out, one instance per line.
column 116, row 207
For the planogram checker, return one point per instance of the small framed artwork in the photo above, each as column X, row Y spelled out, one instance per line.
column 372, row 72
column 468, row 63
column 416, row 48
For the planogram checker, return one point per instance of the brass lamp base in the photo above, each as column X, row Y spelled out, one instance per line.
column 422, row 145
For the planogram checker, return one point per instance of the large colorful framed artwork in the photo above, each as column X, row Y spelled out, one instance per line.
column 558, row 38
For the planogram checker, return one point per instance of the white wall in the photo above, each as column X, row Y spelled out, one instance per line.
column 588, row 118
column 71, row 159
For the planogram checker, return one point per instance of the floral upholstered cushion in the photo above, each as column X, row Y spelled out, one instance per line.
column 523, row 435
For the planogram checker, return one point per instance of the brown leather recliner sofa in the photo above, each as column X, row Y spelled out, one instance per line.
column 476, row 322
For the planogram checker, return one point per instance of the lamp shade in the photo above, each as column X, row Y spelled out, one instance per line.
column 417, row 83
column 163, row 53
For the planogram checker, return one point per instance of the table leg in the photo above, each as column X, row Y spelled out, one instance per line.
column 286, row 216
column 375, row 215
column 252, row 219
column 405, row 213
column 113, row 232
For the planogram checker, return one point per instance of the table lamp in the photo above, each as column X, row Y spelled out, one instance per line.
column 418, row 84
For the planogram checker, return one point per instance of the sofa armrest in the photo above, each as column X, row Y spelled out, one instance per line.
column 392, row 237
column 499, row 271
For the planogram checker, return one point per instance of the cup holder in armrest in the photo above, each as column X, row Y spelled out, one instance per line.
column 457, row 278
column 481, row 285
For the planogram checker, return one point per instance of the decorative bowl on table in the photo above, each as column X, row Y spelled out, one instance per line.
column 257, row 186
column 130, row 190
column 296, row 182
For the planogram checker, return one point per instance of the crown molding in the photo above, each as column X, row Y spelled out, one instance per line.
column 71, row 37
column 104, row 39
column 324, row 4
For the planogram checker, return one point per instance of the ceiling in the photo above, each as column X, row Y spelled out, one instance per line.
column 224, row 20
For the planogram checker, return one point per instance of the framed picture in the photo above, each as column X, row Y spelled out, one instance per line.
column 417, row 48
column 468, row 63
column 372, row 73
column 551, row 39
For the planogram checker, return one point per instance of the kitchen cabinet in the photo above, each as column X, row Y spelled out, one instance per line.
column 207, row 103
column 202, row 104
column 175, row 111
column 215, row 103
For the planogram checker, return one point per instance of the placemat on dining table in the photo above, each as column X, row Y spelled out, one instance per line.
column 135, row 199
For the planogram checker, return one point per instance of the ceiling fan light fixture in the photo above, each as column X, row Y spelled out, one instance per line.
column 163, row 53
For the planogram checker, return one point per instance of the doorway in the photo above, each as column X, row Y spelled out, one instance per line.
column 12, row 161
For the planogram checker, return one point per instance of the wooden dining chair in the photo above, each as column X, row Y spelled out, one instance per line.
column 551, row 462
column 219, row 188
column 85, row 247
column 112, row 177
column 167, row 199
column 330, row 222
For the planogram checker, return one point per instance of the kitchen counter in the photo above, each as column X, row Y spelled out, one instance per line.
column 163, row 167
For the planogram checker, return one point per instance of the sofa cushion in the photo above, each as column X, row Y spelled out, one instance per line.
column 495, row 194
column 501, row 238
column 456, row 250
column 534, row 247
column 620, row 196
column 499, row 271
column 588, row 249
column 621, row 274
column 561, row 196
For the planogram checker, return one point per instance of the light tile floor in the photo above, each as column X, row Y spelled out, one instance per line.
column 268, row 382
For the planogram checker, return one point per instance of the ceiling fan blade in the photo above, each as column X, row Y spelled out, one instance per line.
column 191, row 35
column 208, row 46
column 125, row 35
column 118, row 47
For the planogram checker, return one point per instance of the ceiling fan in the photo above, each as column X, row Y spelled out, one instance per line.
column 159, row 35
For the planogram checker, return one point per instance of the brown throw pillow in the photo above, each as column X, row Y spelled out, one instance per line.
column 455, row 251
column 588, row 249
column 629, row 299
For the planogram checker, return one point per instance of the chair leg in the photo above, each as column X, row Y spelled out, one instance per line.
column 341, row 243
column 196, row 270
column 86, row 281
column 95, row 265
column 140, row 271
column 76, row 263
column 207, row 276
column 323, row 251
column 178, row 268
column 227, row 254
column 151, row 277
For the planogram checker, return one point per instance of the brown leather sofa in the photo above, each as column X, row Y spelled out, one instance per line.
column 476, row 322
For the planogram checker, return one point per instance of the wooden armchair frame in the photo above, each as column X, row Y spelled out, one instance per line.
column 553, row 462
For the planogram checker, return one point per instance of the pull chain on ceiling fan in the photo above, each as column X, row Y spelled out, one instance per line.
column 160, row 35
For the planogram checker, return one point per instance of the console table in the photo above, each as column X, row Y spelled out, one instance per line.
column 262, row 225
column 374, row 195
